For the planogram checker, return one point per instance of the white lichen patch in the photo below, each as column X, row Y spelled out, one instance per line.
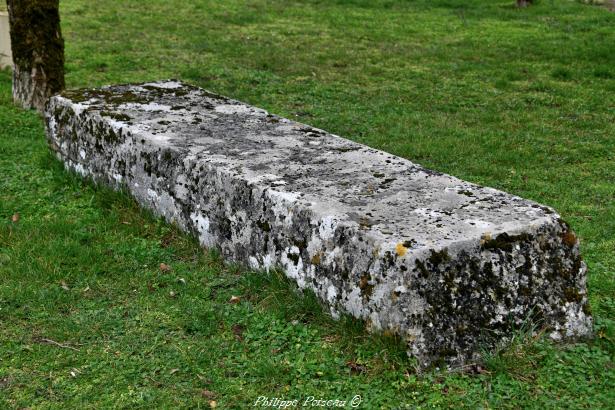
column 169, row 85
column 238, row 109
column 201, row 223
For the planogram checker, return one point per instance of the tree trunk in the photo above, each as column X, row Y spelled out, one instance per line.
column 38, row 51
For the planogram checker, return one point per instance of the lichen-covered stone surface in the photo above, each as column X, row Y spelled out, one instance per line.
column 451, row 267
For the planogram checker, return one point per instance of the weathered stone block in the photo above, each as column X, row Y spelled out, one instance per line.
column 450, row 266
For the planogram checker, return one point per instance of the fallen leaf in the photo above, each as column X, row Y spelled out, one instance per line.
column 208, row 394
column 87, row 288
column 64, row 285
column 15, row 217
column 213, row 404
column 475, row 368
column 4, row 382
column 204, row 380
column 238, row 331
column 331, row 338
column 355, row 367
column 182, row 281
column 234, row 299
column 173, row 371
column 164, row 267
column 172, row 294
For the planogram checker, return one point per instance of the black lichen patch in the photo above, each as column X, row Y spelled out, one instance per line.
column 436, row 258
column 263, row 225
column 115, row 96
column 572, row 294
column 421, row 269
column 345, row 149
column 505, row 241
column 115, row 115
column 300, row 243
column 465, row 192
column 293, row 257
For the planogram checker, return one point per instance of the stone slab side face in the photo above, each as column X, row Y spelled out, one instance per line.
column 450, row 266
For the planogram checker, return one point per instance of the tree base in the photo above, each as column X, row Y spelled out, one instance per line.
column 26, row 92
column 38, row 51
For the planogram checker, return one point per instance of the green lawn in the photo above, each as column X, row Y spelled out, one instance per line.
column 520, row 100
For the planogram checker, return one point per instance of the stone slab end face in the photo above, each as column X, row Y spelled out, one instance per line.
column 451, row 267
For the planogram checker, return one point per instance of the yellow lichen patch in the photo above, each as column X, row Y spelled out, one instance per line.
column 316, row 259
column 486, row 237
column 400, row 249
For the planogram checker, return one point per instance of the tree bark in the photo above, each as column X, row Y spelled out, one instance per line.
column 38, row 51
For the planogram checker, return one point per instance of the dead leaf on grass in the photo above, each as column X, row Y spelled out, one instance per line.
column 238, row 331
column 355, row 368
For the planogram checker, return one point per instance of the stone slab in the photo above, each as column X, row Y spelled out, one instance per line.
column 449, row 266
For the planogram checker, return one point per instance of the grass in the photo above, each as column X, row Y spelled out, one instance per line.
column 521, row 100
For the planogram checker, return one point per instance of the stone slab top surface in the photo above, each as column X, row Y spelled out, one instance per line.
column 397, row 201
